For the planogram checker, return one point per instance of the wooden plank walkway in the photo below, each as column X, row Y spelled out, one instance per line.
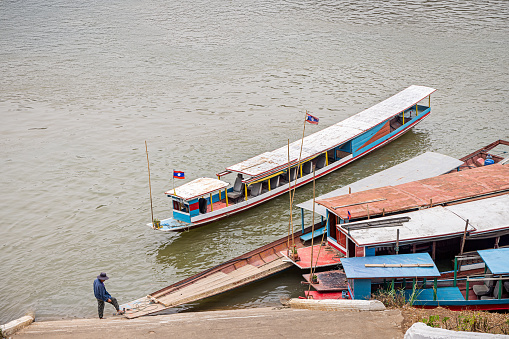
column 206, row 286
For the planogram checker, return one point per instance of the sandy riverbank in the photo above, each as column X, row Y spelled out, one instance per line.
column 244, row 323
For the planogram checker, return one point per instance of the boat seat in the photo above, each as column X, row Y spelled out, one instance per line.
column 256, row 189
column 320, row 162
column 495, row 293
column 485, row 289
column 274, row 182
column 237, row 188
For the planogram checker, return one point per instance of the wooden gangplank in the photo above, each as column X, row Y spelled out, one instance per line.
column 213, row 284
column 234, row 273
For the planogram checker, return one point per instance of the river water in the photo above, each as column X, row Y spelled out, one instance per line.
column 207, row 84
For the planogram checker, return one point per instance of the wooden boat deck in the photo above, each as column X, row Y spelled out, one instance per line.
column 330, row 281
column 327, row 256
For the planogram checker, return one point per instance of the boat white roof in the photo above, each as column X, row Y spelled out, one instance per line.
column 197, row 187
column 334, row 135
column 486, row 215
column 423, row 166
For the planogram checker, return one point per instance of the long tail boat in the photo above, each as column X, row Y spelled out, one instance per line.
column 271, row 174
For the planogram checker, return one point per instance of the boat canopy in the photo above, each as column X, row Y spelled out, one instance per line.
column 496, row 260
column 423, row 225
column 424, row 166
column 422, row 193
column 486, row 215
column 333, row 136
column 197, row 188
column 415, row 265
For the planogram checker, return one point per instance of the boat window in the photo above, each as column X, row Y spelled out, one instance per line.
column 176, row 205
column 184, row 208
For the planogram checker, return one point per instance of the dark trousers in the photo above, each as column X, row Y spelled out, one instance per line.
column 100, row 306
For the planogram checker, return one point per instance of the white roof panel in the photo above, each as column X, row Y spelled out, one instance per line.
column 197, row 187
column 485, row 215
column 428, row 223
column 424, row 166
column 334, row 135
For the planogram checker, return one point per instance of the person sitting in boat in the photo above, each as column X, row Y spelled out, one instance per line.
column 103, row 296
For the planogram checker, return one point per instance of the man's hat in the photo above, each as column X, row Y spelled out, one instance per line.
column 102, row 276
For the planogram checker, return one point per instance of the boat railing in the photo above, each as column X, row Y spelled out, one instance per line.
column 499, row 279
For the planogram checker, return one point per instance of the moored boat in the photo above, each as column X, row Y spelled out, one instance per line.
column 417, row 279
column 272, row 174
column 274, row 257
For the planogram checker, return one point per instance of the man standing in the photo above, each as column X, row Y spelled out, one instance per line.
column 103, row 296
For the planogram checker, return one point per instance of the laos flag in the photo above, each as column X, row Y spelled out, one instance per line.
column 178, row 175
column 311, row 119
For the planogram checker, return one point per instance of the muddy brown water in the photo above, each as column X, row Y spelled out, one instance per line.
column 207, row 84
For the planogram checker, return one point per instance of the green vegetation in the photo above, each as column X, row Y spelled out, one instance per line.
column 468, row 321
column 395, row 298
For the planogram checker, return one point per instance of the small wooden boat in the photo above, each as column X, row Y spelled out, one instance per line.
column 417, row 277
column 271, row 174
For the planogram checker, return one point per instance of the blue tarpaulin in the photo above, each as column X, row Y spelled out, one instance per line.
column 355, row 267
column 496, row 260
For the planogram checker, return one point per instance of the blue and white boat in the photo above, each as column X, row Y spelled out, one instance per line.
column 271, row 174
column 423, row 285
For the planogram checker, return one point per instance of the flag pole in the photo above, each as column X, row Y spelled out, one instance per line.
column 173, row 175
column 149, row 186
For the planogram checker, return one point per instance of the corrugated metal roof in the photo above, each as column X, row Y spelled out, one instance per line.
column 440, row 189
column 424, row 166
column 355, row 267
column 334, row 135
column 496, row 259
column 197, row 187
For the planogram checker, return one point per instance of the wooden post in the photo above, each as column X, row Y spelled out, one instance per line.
column 455, row 270
column 226, row 196
column 500, row 289
column 414, row 248
column 367, row 206
column 464, row 238
column 397, row 241
column 268, row 181
column 150, row 186
column 434, row 250
column 326, row 158
column 403, row 117
column 435, row 289
column 466, row 292
column 211, row 205
column 383, row 212
column 349, row 190
column 497, row 239
column 430, row 203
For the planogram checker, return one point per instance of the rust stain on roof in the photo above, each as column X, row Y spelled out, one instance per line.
column 416, row 194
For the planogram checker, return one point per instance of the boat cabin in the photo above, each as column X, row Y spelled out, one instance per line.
column 366, row 274
column 421, row 215
column 199, row 196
